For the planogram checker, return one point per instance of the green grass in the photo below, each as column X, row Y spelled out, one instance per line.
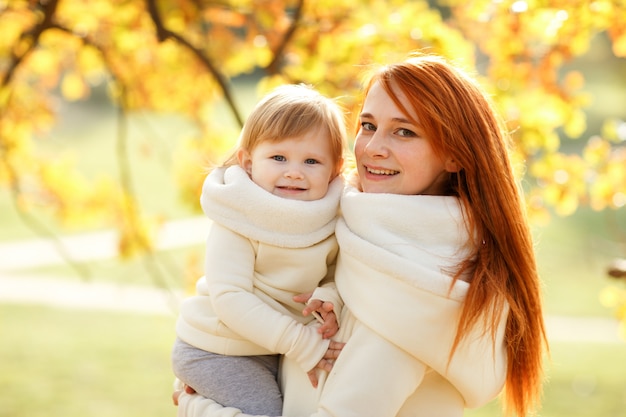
column 573, row 254
column 584, row 380
column 58, row 362
column 64, row 362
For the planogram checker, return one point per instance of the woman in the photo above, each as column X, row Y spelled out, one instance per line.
column 436, row 267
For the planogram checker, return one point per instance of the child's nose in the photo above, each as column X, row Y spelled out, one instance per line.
column 294, row 172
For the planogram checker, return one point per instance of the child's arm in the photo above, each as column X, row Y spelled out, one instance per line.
column 230, row 285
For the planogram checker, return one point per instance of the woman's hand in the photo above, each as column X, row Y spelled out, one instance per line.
column 326, row 363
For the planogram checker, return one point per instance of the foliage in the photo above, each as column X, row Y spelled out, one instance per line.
column 181, row 56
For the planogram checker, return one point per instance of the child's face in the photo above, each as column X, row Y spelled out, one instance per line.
column 299, row 168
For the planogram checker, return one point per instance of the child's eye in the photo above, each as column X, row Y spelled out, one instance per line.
column 279, row 158
column 311, row 161
column 368, row 126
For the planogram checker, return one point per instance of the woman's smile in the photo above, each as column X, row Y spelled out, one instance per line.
column 380, row 171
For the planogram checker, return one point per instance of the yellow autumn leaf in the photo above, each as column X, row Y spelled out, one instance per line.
column 597, row 150
column 89, row 60
column 612, row 296
column 574, row 80
column 74, row 87
column 619, row 42
column 576, row 124
column 567, row 203
column 43, row 61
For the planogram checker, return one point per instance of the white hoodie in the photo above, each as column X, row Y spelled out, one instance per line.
column 261, row 251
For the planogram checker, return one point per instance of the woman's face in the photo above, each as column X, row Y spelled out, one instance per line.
column 392, row 154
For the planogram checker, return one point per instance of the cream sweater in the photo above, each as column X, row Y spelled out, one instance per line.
column 400, row 318
column 261, row 251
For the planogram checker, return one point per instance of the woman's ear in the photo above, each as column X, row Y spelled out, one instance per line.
column 245, row 160
column 451, row 166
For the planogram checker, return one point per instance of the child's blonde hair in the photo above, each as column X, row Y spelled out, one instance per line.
column 290, row 111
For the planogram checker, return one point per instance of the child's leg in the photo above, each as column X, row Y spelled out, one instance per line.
column 245, row 382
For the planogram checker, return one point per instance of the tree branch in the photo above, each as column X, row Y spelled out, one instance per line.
column 274, row 66
column 130, row 200
column 163, row 34
column 49, row 10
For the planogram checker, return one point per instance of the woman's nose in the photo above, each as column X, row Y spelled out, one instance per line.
column 377, row 147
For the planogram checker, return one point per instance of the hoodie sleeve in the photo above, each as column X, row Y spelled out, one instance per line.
column 195, row 405
column 230, row 284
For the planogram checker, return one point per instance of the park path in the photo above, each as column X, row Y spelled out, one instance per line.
column 17, row 286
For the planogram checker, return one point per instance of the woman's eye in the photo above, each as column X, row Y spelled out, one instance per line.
column 279, row 158
column 368, row 126
column 311, row 161
column 406, row 133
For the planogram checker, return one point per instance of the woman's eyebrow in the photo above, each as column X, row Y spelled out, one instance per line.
column 395, row 119
column 402, row 120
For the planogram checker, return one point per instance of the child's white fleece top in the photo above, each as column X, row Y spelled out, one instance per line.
column 397, row 254
column 261, row 251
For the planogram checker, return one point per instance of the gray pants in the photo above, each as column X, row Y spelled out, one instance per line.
column 245, row 382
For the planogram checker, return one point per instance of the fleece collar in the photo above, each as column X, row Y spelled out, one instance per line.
column 410, row 232
column 232, row 199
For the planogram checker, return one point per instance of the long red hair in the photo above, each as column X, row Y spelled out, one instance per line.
column 460, row 122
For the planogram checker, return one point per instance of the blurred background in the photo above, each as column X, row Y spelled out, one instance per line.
column 112, row 110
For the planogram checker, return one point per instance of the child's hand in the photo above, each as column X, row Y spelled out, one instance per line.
column 330, row 326
column 324, row 312
column 302, row 298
